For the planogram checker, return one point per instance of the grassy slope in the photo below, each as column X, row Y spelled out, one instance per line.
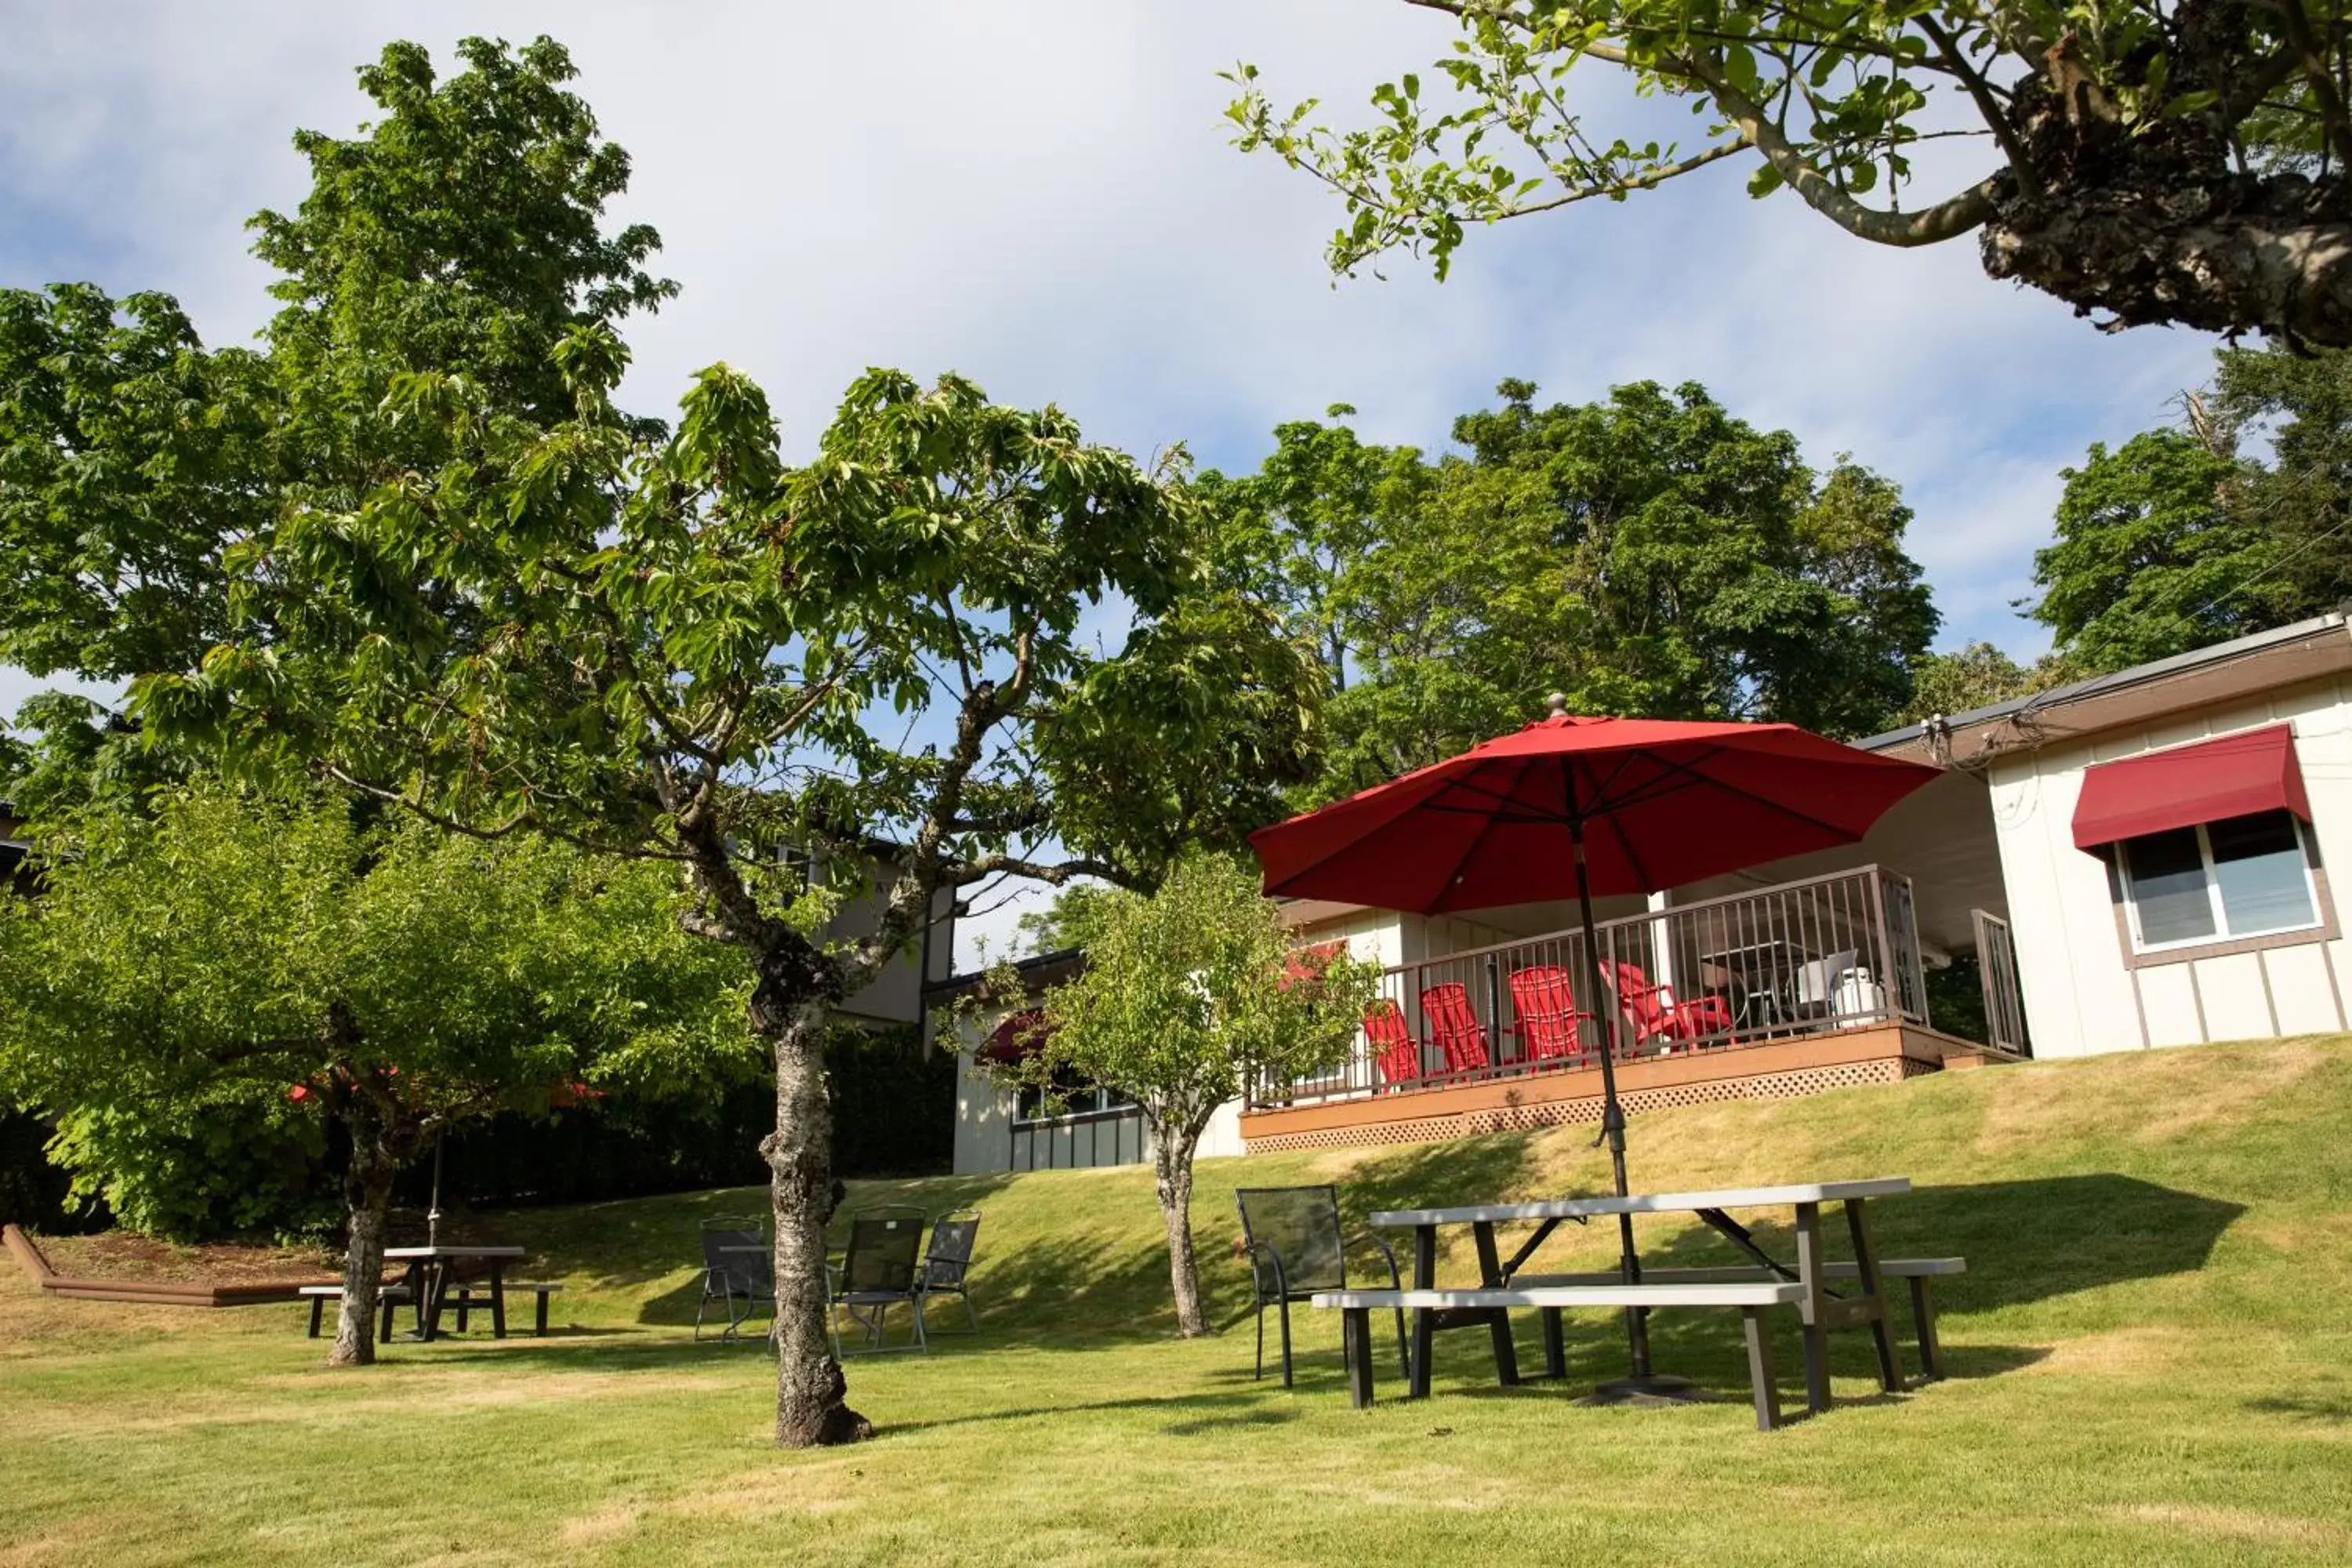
column 2151, row 1359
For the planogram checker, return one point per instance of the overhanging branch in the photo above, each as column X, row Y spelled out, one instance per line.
column 1947, row 219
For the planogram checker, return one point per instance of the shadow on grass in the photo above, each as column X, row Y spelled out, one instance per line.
column 2025, row 1241
column 2332, row 1410
column 1089, row 1278
column 1101, row 1285
column 1109, row 1285
column 610, row 1350
column 1215, row 1413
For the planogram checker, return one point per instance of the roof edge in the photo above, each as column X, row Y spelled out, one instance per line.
column 2218, row 653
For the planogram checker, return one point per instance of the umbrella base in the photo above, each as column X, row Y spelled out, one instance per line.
column 1657, row 1390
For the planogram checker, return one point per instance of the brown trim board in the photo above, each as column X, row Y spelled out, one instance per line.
column 1876, row 1043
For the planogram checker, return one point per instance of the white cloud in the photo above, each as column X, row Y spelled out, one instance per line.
column 1041, row 195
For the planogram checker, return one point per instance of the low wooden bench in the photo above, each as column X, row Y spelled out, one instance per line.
column 1752, row 1297
column 1916, row 1272
column 387, row 1297
column 475, row 1297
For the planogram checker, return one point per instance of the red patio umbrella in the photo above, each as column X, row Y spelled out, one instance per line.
column 1586, row 805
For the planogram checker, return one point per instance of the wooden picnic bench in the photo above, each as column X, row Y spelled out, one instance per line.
column 1914, row 1271
column 433, row 1278
column 387, row 1297
column 1752, row 1297
column 1820, row 1308
column 464, row 1297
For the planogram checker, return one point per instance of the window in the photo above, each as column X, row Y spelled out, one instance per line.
column 1067, row 1098
column 2246, row 876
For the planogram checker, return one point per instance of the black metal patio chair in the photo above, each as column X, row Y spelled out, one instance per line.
column 882, row 1268
column 945, row 1263
column 1296, row 1247
column 738, row 1269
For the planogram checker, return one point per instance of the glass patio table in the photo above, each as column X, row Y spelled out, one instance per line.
column 1765, row 973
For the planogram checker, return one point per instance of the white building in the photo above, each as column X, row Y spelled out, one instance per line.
column 2133, row 861
column 2164, row 835
column 1005, row 1129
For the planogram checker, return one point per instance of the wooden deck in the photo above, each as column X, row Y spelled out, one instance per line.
column 1879, row 1054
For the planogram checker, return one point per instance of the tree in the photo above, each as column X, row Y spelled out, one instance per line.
column 2300, row 499
column 1297, row 530
column 479, row 589
column 1189, row 997
column 2149, row 560
column 128, row 457
column 78, row 756
column 460, row 235
column 1062, row 924
column 1978, row 675
column 228, row 948
column 694, row 656
column 1647, row 553
column 2184, row 163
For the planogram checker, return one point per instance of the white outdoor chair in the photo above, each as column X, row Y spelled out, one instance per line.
column 1819, row 980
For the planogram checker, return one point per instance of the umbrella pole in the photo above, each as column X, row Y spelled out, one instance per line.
column 1612, row 1114
column 432, row 1212
column 1642, row 1385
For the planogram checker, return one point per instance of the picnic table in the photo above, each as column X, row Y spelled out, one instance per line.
column 432, row 1270
column 1820, row 1308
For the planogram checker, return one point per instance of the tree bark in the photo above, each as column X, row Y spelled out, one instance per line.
column 2159, row 222
column 812, row 1395
column 1172, row 1163
column 2216, row 268
column 367, row 1202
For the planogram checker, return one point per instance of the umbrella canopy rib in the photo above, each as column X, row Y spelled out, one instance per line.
column 1782, row 806
column 1470, row 853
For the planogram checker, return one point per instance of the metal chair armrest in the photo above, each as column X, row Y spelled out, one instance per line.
column 1281, row 1275
column 1388, row 1254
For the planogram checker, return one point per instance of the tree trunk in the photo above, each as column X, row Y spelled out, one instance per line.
column 1172, row 1161
column 812, row 1396
column 367, row 1201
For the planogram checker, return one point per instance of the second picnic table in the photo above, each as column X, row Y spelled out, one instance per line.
column 433, row 1270
column 1820, row 1308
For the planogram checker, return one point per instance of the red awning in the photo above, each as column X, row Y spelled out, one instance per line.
column 1016, row 1039
column 2234, row 775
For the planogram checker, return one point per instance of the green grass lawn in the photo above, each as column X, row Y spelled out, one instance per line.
column 2151, row 1361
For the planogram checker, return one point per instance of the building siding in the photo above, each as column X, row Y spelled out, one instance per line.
column 2081, row 995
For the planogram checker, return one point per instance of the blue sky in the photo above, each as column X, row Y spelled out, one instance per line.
column 1043, row 196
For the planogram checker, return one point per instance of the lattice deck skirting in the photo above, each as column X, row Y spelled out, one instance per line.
column 1587, row 1109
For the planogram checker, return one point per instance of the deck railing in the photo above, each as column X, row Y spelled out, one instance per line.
column 1834, row 952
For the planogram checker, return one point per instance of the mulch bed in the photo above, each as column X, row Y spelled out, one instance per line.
column 118, row 1254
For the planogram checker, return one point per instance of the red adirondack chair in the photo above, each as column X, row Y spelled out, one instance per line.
column 1546, row 1004
column 1395, row 1050
column 1656, row 1011
column 1455, row 1027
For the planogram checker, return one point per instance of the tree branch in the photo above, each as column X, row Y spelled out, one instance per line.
column 2020, row 162
column 1642, row 182
column 523, row 821
column 2316, row 72
column 1947, row 219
